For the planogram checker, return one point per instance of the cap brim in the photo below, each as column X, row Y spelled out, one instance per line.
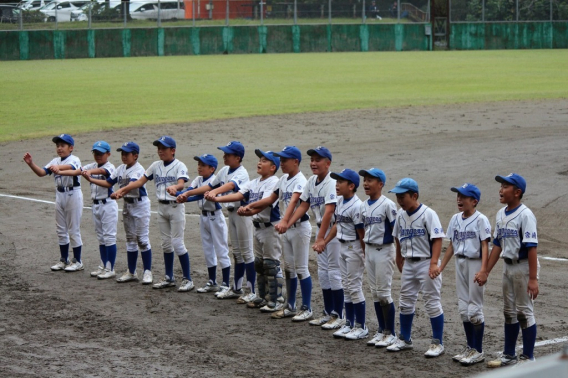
column 337, row 176
column 503, row 180
column 100, row 150
column 398, row 190
column 59, row 139
column 260, row 153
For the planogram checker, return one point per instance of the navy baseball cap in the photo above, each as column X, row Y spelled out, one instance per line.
column 513, row 179
column 321, row 151
column 269, row 155
column 129, row 147
column 207, row 159
column 468, row 190
column 65, row 138
column 347, row 174
column 166, row 141
column 101, row 146
column 405, row 185
column 235, row 147
column 289, row 152
column 374, row 172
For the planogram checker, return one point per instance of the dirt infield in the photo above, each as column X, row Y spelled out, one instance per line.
column 68, row 324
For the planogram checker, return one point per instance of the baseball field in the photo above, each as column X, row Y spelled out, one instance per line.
column 443, row 118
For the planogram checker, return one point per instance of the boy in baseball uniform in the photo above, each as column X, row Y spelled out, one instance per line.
column 515, row 241
column 418, row 234
column 469, row 232
column 68, row 201
column 169, row 175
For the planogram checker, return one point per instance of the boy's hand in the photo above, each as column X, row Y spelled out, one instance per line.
column 281, row 227
column 532, row 288
column 399, row 263
column 210, row 195
column 28, row 158
column 481, row 277
column 117, row 195
column 172, row 191
column 181, row 198
column 244, row 211
column 54, row 169
column 435, row 271
column 319, row 246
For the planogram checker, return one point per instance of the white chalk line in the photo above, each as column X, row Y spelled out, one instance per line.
column 552, row 258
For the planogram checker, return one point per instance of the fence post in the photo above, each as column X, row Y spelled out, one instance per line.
column 398, row 10
column 517, row 9
column 193, row 13
column 159, row 14
column 296, row 12
column 551, row 11
column 262, row 12
column 227, row 13
column 56, row 22
column 20, row 19
column 329, row 10
column 363, row 18
column 89, row 15
column 483, row 11
column 124, row 12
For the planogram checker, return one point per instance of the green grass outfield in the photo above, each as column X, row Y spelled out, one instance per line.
column 40, row 98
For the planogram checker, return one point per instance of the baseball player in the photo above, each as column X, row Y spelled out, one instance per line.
column 229, row 180
column 104, row 209
column 515, row 240
column 469, row 232
column 350, row 230
column 212, row 225
column 68, row 201
column 320, row 195
column 379, row 214
column 169, row 175
column 135, row 212
column 267, row 245
column 418, row 234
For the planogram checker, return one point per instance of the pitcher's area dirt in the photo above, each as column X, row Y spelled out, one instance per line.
column 69, row 324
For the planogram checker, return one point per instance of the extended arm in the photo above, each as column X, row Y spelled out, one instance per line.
column 34, row 167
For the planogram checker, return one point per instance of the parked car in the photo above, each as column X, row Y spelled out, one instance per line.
column 30, row 5
column 61, row 10
column 99, row 11
column 168, row 10
column 9, row 14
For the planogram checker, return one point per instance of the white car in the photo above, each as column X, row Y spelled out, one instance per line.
column 169, row 10
column 30, row 5
column 82, row 13
column 61, row 10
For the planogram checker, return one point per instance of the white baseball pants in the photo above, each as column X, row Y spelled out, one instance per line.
column 171, row 220
column 352, row 265
column 214, row 239
column 296, row 250
column 329, row 271
column 470, row 294
column 136, row 221
column 68, row 212
column 380, row 264
column 518, row 305
column 105, row 218
column 415, row 278
column 240, row 231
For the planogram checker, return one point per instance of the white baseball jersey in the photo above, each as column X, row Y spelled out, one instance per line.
column 467, row 234
column 99, row 192
column 165, row 176
column 202, row 202
column 258, row 189
column 379, row 217
column 515, row 232
column 65, row 181
column 124, row 175
column 319, row 194
column 238, row 176
column 348, row 218
column 416, row 231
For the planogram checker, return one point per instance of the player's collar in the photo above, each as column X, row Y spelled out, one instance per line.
column 169, row 162
column 345, row 200
column 414, row 212
column 231, row 170
column 509, row 212
column 205, row 178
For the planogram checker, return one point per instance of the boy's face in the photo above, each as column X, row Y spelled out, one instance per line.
column 372, row 186
column 288, row 165
column 101, row 157
column 166, row 153
column 407, row 200
column 63, row 149
column 319, row 165
column 466, row 204
column 508, row 193
column 265, row 167
column 128, row 158
column 231, row 160
column 344, row 188
column 204, row 169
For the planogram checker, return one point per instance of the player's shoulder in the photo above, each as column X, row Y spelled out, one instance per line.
column 91, row 165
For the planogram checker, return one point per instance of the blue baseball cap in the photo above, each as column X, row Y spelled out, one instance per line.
column 374, row 172
column 270, row 156
column 289, row 152
column 166, row 141
column 235, row 147
column 129, row 147
column 101, row 146
column 468, row 190
column 405, row 185
column 513, row 179
column 347, row 174
column 65, row 138
column 321, row 151
column 207, row 159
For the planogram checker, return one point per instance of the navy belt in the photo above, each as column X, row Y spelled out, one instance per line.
column 262, row 225
column 417, row 258
column 230, row 209
column 63, row 189
column 103, row 201
column 330, row 224
column 467, row 257
column 509, row 261
column 346, row 241
column 205, row 212
column 167, row 202
column 132, row 200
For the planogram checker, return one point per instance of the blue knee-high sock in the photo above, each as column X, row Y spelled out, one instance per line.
column 306, row 289
column 111, row 252
column 104, row 255
column 389, row 319
column 226, row 273
column 291, row 294
column 327, row 300
column 438, row 327
column 469, row 334
column 251, row 275
column 478, row 330
column 77, row 253
column 212, row 273
column 350, row 313
column 147, row 259
column 529, row 339
column 184, row 261
column 380, row 316
column 338, row 298
column 132, row 259
column 406, row 325
column 359, row 313
column 64, row 251
column 511, row 335
column 169, row 265
column 239, row 274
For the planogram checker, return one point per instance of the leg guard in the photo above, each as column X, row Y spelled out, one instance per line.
column 274, row 277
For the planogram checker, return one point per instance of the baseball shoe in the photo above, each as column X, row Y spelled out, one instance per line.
column 341, row 332
column 387, row 340
column 281, row 299
column 106, row 274
column 186, row 285
column 243, row 299
column 148, row 278
column 472, row 358
column 436, row 349
column 61, row 265
column 321, row 320
column 400, row 344
column 304, row 314
column 376, row 338
column 127, row 277
column 357, row 333
column 100, row 270
column 75, row 266
column 222, row 288
column 210, row 287
column 272, row 307
column 524, row 359
column 286, row 312
column 463, row 354
column 257, row 303
column 334, row 323
column 165, row 282
column 231, row 293
column 504, row 360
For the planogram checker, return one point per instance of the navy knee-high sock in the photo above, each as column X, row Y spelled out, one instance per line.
column 327, row 300
column 438, row 327
column 251, row 275
column 238, row 276
column 132, row 259
column 77, row 253
column 104, row 255
column 291, row 288
column 147, row 259
column 338, row 298
column 169, row 265
column 306, row 289
column 511, row 335
column 478, row 331
column 212, row 271
column 360, row 313
column 469, row 334
column 111, row 253
column 350, row 313
column 184, row 261
column 64, row 251
column 529, row 339
column 406, row 325
column 380, row 316
column 389, row 317
column 226, row 273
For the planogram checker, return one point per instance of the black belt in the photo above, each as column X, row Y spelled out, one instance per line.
column 205, row 212
column 132, row 200
column 467, row 257
column 330, row 224
column 167, row 202
column 230, row 209
column 258, row 224
column 63, row 189
column 509, row 261
column 103, row 201
column 346, row 241
column 417, row 258
column 375, row 245
column 300, row 221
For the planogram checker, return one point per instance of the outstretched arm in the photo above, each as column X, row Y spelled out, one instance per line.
column 34, row 167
